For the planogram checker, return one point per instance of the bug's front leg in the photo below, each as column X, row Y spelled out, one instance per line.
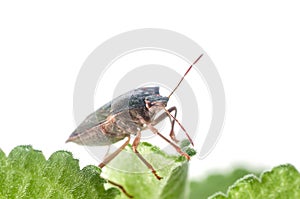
column 134, row 148
column 155, row 131
column 163, row 116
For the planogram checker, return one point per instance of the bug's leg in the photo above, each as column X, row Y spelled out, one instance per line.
column 163, row 116
column 120, row 187
column 114, row 154
column 155, row 131
column 186, row 133
column 134, row 148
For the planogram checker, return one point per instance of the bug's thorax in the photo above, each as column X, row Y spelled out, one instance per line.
column 129, row 121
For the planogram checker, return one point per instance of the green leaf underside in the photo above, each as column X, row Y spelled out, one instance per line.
column 281, row 182
column 138, row 180
column 215, row 183
column 25, row 173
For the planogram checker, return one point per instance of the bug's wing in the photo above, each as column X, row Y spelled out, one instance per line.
column 87, row 132
column 94, row 119
column 129, row 100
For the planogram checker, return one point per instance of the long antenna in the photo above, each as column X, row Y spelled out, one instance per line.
column 185, row 74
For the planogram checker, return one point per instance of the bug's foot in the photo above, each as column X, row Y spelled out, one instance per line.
column 186, row 156
column 101, row 165
column 157, row 176
column 172, row 135
column 120, row 187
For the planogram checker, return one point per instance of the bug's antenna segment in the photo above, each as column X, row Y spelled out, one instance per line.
column 185, row 74
column 187, row 135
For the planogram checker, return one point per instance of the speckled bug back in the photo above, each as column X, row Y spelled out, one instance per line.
column 118, row 118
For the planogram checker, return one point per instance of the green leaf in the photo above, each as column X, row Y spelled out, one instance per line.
column 215, row 183
column 281, row 182
column 25, row 173
column 138, row 180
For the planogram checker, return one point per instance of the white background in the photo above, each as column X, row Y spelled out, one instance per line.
column 254, row 45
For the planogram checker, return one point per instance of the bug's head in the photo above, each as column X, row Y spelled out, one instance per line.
column 156, row 102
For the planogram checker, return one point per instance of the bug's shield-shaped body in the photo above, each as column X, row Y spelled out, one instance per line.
column 120, row 117
column 128, row 114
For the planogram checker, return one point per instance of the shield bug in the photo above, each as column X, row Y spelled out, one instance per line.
column 127, row 115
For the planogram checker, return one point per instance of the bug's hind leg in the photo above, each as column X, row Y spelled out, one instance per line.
column 163, row 116
column 120, row 187
column 114, row 154
column 108, row 159
column 134, row 148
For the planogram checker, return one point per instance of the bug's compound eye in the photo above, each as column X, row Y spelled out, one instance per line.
column 148, row 104
column 156, row 100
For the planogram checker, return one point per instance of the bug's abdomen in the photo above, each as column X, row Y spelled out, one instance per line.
column 97, row 136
